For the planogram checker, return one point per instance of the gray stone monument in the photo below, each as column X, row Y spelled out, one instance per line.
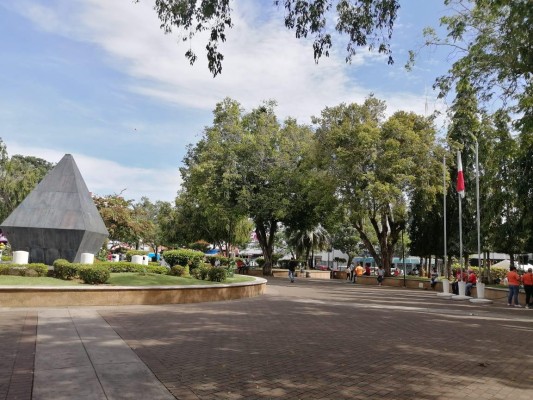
column 58, row 219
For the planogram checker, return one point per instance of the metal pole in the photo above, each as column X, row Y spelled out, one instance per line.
column 445, row 267
column 403, row 258
column 478, row 213
column 460, row 237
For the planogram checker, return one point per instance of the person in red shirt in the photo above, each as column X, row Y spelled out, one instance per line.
column 470, row 282
column 513, row 280
column 527, row 280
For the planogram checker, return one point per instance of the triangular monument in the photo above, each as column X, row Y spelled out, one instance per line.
column 58, row 219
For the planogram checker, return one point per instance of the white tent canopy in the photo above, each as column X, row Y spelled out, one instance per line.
column 507, row 263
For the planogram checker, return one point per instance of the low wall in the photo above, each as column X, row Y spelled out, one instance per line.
column 13, row 296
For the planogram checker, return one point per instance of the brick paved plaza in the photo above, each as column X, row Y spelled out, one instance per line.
column 308, row 340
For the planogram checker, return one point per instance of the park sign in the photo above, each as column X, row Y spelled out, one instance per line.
column 58, row 219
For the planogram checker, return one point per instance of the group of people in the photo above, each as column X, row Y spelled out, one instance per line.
column 354, row 272
column 467, row 276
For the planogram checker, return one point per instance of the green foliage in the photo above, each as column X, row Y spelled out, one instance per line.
column 377, row 166
column 123, row 222
column 131, row 253
column 94, row 275
column 183, row 257
column 202, row 271
column 199, row 245
column 362, row 23
column 19, row 175
column 180, row 270
column 65, row 270
column 217, row 274
column 30, row 270
column 260, row 261
column 213, row 259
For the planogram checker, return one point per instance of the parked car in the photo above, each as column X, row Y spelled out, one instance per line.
column 322, row 267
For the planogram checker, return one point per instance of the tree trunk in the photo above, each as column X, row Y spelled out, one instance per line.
column 265, row 231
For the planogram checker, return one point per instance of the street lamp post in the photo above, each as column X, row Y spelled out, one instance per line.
column 403, row 259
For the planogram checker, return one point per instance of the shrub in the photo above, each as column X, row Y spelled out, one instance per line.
column 93, row 275
column 217, row 274
column 131, row 253
column 35, row 269
column 260, row 261
column 64, row 269
column 179, row 270
column 202, row 271
column 192, row 258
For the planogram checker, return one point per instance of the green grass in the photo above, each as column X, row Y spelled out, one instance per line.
column 10, row 280
column 117, row 279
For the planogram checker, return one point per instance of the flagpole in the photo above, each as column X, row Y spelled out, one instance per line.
column 460, row 237
column 445, row 269
column 478, row 213
column 460, row 192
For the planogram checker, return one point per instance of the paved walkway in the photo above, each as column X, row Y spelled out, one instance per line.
column 308, row 340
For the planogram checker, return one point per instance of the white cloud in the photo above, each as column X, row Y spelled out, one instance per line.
column 263, row 60
column 105, row 177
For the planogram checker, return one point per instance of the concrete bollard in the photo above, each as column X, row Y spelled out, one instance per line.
column 445, row 289
column 145, row 260
column 462, row 292
column 21, row 257
column 137, row 259
column 115, row 257
column 480, row 289
column 87, row 258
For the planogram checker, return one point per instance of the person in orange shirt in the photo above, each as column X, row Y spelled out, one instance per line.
column 359, row 271
column 527, row 280
column 513, row 280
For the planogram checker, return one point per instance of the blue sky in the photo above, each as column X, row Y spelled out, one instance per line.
column 99, row 80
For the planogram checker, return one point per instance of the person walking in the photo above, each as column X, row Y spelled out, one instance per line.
column 513, row 280
column 527, row 281
column 292, row 269
column 381, row 275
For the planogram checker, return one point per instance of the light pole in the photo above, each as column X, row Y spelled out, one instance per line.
column 403, row 259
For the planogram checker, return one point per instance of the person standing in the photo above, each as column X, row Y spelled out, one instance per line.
column 527, row 280
column 367, row 269
column 351, row 269
column 434, row 278
column 513, row 280
column 292, row 269
column 381, row 275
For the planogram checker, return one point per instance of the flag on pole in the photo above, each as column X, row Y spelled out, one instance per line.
column 460, row 177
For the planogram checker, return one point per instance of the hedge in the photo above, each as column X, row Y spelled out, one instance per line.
column 180, row 270
column 183, row 257
column 64, row 269
column 202, row 271
column 94, row 275
column 217, row 274
column 35, row 269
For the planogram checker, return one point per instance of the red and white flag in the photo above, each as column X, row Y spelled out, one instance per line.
column 460, row 177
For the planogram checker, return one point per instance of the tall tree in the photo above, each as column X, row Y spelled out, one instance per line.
column 120, row 219
column 377, row 165
column 19, row 175
column 366, row 23
column 492, row 44
column 243, row 167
